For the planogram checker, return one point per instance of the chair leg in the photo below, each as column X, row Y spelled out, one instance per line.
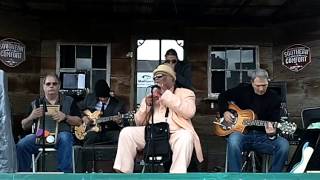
column 265, row 163
column 249, row 157
column 143, row 168
column 245, row 162
column 34, row 161
column 226, row 161
column 253, row 161
column 73, row 160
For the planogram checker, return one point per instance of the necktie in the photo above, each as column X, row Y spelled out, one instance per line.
column 102, row 108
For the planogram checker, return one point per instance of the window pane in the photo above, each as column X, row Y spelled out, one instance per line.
column 233, row 79
column 218, row 58
column 67, row 56
column 99, row 56
column 245, row 77
column 83, row 63
column 218, row 81
column 83, row 51
column 146, row 68
column 149, row 50
column 248, row 58
column 172, row 44
column 233, row 58
column 97, row 75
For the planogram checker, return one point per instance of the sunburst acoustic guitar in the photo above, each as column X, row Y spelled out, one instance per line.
column 244, row 118
column 81, row 131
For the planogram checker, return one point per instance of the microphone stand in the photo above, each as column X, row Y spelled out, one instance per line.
column 44, row 105
column 151, row 130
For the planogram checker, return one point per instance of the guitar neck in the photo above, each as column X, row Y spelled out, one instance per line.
column 105, row 119
column 257, row 123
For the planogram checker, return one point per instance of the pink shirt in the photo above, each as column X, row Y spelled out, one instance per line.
column 182, row 108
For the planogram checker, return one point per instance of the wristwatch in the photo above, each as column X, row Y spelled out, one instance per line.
column 272, row 137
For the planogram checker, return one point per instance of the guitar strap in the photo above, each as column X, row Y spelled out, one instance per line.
column 166, row 115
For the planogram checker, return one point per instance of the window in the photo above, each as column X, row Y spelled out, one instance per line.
column 228, row 66
column 91, row 59
column 150, row 53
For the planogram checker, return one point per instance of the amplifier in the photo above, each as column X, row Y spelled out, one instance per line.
column 99, row 158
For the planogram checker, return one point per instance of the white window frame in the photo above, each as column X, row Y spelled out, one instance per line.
column 214, row 96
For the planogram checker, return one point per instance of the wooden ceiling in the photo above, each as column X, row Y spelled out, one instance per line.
column 184, row 10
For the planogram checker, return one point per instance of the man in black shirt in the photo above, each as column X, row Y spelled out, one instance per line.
column 266, row 105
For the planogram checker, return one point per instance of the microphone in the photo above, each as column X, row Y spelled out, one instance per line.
column 156, row 90
column 155, row 86
column 37, row 103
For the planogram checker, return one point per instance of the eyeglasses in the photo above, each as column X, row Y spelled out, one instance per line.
column 173, row 61
column 158, row 77
column 51, row 83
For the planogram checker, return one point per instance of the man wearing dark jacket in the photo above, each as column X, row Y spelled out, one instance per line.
column 101, row 100
column 266, row 105
column 182, row 69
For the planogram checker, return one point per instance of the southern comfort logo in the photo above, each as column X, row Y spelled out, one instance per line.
column 12, row 52
column 296, row 57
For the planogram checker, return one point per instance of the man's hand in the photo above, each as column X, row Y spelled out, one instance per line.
column 228, row 117
column 270, row 130
column 59, row 116
column 118, row 119
column 87, row 120
column 149, row 99
column 36, row 113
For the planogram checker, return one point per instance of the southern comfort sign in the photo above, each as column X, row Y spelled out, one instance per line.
column 296, row 57
column 12, row 52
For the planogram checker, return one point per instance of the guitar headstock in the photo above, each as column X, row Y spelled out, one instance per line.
column 92, row 115
column 129, row 115
column 287, row 127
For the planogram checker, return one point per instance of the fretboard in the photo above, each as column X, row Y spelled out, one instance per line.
column 105, row 119
column 256, row 122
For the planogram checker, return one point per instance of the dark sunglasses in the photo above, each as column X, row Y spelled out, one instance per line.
column 157, row 77
column 51, row 83
column 171, row 61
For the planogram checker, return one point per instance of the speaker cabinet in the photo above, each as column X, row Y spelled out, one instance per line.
column 98, row 158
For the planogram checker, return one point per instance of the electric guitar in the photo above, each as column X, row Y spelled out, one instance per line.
column 82, row 130
column 244, row 118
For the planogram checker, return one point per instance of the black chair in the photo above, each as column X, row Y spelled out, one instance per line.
column 252, row 162
column 310, row 115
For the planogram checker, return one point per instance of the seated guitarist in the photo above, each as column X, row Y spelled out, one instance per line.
column 101, row 100
column 266, row 105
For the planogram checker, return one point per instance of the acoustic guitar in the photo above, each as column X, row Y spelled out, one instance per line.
column 244, row 118
column 82, row 130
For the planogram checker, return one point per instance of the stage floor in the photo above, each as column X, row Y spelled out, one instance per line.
column 98, row 176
